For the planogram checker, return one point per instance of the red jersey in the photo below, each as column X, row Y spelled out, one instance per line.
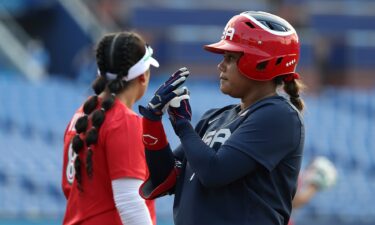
column 119, row 153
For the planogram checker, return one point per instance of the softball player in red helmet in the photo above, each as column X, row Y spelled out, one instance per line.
column 241, row 162
column 269, row 45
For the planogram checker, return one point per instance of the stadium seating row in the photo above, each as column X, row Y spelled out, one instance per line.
column 338, row 125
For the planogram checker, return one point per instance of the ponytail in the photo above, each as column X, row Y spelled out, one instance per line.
column 81, row 127
column 293, row 87
column 92, row 136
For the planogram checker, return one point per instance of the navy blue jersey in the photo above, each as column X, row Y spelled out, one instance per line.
column 246, row 170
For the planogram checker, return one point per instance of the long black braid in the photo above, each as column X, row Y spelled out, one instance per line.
column 115, row 54
column 293, row 88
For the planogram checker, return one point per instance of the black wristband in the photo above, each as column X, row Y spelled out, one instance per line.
column 148, row 114
column 181, row 126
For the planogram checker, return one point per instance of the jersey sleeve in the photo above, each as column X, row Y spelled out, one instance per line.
column 268, row 134
column 124, row 149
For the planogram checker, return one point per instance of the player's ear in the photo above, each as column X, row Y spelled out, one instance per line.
column 142, row 79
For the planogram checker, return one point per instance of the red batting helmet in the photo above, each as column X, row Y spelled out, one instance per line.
column 269, row 45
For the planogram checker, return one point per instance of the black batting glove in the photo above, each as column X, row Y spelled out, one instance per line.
column 179, row 110
column 164, row 94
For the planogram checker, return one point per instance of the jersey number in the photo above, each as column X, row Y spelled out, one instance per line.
column 70, row 171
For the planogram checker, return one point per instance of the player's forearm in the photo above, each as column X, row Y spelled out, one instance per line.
column 159, row 157
column 214, row 169
column 160, row 164
column 303, row 196
column 160, row 161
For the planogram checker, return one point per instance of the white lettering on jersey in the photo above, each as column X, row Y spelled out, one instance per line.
column 228, row 32
column 212, row 137
column 208, row 137
column 220, row 136
column 70, row 171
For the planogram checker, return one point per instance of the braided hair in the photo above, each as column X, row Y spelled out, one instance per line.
column 116, row 53
column 292, row 87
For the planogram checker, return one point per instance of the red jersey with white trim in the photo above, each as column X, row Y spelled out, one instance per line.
column 119, row 153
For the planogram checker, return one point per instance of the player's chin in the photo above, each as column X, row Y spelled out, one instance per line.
column 227, row 90
column 224, row 88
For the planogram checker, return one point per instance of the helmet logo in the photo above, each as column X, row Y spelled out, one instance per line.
column 228, row 32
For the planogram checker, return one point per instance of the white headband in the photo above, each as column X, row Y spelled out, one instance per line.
column 139, row 68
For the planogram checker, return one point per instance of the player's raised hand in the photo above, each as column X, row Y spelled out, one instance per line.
column 165, row 93
column 179, row 109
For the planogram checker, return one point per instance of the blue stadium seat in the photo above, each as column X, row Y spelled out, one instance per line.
column 145, row 17
column 339, row 23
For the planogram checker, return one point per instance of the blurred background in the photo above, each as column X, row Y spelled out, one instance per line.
column 47, row 65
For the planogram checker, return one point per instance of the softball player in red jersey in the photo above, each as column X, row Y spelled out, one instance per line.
column 104, row 162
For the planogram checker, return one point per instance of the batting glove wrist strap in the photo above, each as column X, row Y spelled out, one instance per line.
column 181, row 127
column 179, row 112
column 147, row 113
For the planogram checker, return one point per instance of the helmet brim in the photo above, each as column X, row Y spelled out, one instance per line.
column 223, row 46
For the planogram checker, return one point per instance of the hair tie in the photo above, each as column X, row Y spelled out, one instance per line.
column 291, row 77
column 113, row 94
column 102, row 109
column 89, row 148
